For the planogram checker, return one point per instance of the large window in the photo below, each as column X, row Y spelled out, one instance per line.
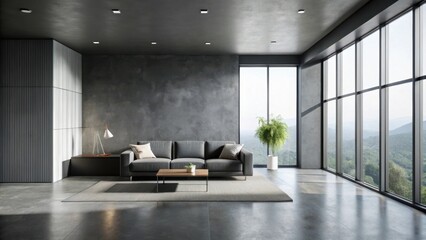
column 330, row 120
column 282, row 101
column 330, row 77
column 347, row 111
column 370, row 105
column 370, row 60
column 257, row 100
column 400, row 48
column 331, row 135
column 399, row 158
column 348, row 70
column 400, row 136
column 370, row 135
column 348, row 136
column 253, row 104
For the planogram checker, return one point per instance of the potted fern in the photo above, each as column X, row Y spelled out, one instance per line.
column 190, row 167
column 272, row 133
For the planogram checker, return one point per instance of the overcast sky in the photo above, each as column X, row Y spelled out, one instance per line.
column 253, row 94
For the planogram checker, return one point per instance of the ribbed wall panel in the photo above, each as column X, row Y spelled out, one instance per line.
column 26, row 107
column 40, row 105
column 67, row 117
column 26, row 63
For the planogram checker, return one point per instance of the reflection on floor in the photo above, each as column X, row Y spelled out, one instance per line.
column 325, row 207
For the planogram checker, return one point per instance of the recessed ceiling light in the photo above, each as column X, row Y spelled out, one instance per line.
column 96, row 42
column 116, row 11
column 273, row 41
column 25, row 10
column 153, row 43
column 208, row 43
column 301, row 11
column 204, row 11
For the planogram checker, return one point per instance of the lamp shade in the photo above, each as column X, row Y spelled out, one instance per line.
column 108, row 134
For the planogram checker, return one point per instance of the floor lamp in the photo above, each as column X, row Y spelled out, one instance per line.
column 97, row 142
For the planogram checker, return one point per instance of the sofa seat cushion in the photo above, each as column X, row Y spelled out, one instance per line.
column 149, row 164
column 224, row 165
column 182, row 162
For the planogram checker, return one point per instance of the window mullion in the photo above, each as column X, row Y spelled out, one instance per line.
column 359, row 173
column 338, row 113
column 417, row 110
column 383, row 108
column 267, row 104
column 324, row 115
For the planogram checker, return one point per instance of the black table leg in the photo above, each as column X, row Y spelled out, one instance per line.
column 157, row 183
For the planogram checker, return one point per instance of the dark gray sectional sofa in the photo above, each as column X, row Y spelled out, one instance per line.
column 172, row 155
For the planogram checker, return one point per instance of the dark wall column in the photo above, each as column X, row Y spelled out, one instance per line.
column 310, row 107
column 26, row 107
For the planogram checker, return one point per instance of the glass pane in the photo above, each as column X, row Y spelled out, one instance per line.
column 401, row 48
column 370, row 136
column 330, row 77
column 283, row 101
column 399, row 167
column 423, row 39
column 370, row 60
column 331, row 135
column 423, row 192
column 348, row 135
column 348, row 70
column 253, row 103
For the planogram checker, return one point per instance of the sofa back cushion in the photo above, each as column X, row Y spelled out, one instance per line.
column 161, row 149
column 189, row 149
column 231, row 151
column 214, row 148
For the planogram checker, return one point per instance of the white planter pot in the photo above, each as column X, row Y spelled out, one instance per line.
column 272, row 162
column 191, row 170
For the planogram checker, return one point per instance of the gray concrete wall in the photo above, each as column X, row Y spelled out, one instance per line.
column 310, row 106
column 159, row 98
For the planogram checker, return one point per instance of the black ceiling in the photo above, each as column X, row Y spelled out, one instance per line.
column 232, row 26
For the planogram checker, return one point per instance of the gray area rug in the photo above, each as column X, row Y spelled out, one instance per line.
column 254, row 189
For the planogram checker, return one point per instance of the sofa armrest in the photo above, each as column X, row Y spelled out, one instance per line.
column 247, row 158
column 126, row 158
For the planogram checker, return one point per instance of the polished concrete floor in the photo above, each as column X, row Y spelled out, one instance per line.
column 325, row 207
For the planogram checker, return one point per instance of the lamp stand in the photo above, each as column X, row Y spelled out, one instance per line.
column 97, row 142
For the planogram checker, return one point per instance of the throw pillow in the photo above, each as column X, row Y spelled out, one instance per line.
column 142, row 151
column 230, row 151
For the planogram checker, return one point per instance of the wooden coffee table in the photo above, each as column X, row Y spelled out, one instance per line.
column 164, row 173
